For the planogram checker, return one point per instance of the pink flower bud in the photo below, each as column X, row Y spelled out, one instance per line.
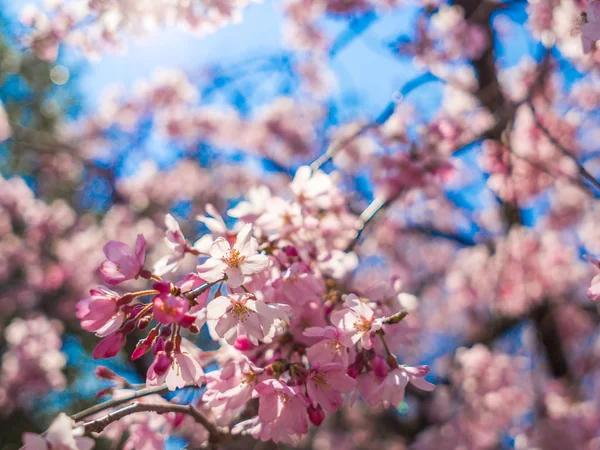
column 290, row 251
column 163, row 363
column 243, row 344
column 354, row 370
column 316, row 415
column 379, row 366
column 187, row 320
column 122, row 262
column 109, row 346
column 105, row 373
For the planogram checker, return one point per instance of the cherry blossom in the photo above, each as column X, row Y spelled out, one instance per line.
column 62, row 434
column 233, row 264
column 358, row 318
column 122, row 263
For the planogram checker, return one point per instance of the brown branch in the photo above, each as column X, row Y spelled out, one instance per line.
column 119, row 401
column 98, row 425
column 193, row 293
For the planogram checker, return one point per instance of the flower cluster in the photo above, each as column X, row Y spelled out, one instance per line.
column 268, row 293
column 32, row 365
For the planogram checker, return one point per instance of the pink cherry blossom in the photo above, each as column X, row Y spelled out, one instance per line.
column 122, row 263
column 312, row 188
column 388, row 388
column 170, row 308
column 243, row 315
column 176, row 371
column 229, row 389
column 217, row 227
column 282, row 406
column 177, row 245
column 109, row 346
column 99, row 312
column 258, row 200
column 356, row 317
column 326, row 384
column 333, row 346
column 61, row 435
column 234, row 263
column 298, row 284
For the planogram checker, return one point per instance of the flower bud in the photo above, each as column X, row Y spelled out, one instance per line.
column 187, row 321
column 316, row 415
column 105, row 373
column 379, row 366
column 242, row 343
column 354, row 370
column 162, row 363
column 165, row 331
column 290, row 251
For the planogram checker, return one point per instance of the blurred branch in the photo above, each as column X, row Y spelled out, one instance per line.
column 355, row 28
column 433, row 232
column 369, row 213
column 383, row 117
column 582, row 170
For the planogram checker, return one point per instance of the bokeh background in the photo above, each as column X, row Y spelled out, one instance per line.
column 100, row 149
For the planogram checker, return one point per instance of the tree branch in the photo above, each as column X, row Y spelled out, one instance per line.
column 582, row 170
column 383, row 117
column 98, row 425
column 119, row 401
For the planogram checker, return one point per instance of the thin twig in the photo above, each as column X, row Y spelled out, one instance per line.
column 369, row 213
column 383, row 117
column 193, row 293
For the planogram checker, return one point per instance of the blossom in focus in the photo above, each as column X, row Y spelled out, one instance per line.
column 170, row 308
column 176, row 370
column 109, row 346
column 326, row 384
column 61, row 435
column 217, row 227
column 177, row 245
column 282, row 406
column 234, row 262
column 99, row 311
column 243, row 315
column 357, row 318
column 122, row 263
column 333, row 347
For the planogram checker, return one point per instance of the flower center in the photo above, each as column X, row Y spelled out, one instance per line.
column 320, row 380
column 362, row 324
column 248, row 378
column 334, row 345
column 240, row 311
column 283, row 397
column 234, row 259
